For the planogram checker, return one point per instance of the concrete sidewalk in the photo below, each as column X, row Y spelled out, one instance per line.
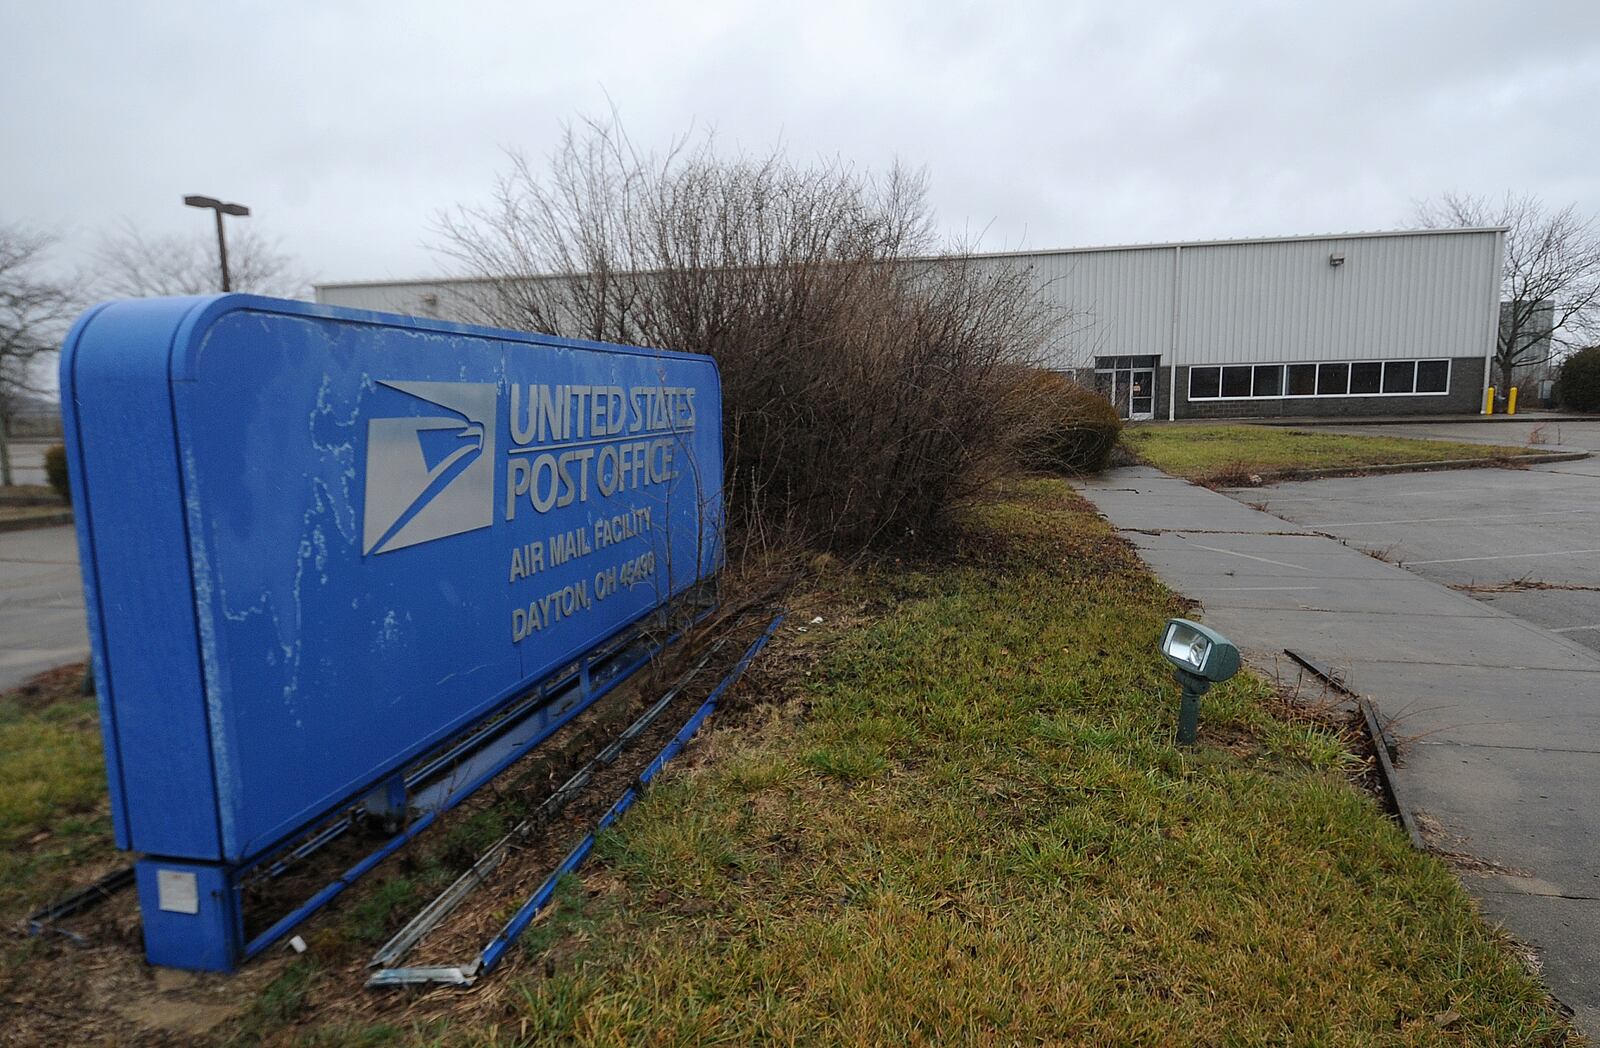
column 1503, row 716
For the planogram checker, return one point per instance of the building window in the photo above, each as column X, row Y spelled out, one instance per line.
column 1236, row 381
column 1362, row 378
column 1366, row 377
column 1333, row 380
column 1433, row 376
column 1302, row 380
column 1399, row 376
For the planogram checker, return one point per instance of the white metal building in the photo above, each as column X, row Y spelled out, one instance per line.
column 1361, row 323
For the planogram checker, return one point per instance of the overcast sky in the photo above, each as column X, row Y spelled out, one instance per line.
column 347, row 126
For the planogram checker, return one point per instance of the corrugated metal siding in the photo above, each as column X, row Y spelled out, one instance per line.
column 1117, row 303
column 1419, row 296
column 1396, row 296
column 412, row 298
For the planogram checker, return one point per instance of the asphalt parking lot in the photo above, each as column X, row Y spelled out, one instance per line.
column 1525, row 540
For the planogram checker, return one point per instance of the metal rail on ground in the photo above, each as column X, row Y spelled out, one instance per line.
column 1383, row 746
column 434, row 785
column 445, row 903
column 466, row 974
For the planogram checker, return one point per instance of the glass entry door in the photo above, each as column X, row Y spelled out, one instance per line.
column 1142, row 394
column 1129, row 383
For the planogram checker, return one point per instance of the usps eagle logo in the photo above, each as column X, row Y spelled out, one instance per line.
column 431, row 474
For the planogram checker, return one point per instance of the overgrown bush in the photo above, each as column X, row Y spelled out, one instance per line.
column 868, row 384
column 1578, row 383
column 55, row 470
column 1079, row 428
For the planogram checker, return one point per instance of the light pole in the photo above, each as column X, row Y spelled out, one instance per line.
column 222, row 242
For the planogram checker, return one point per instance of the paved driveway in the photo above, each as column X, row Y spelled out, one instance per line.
column 1524, row 540
column 41, row 603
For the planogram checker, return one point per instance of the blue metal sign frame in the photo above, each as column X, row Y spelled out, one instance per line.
column 319, row 543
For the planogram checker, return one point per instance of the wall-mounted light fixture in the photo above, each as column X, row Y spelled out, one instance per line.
column 1336, row 259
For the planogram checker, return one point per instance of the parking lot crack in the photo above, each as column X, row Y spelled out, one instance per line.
column 1504, row 746
column 1541, row 895
column 1157, row 532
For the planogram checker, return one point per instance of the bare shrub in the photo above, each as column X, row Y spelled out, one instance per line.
column 869, row 384
column 1078, row 427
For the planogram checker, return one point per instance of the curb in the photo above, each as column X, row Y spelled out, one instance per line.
column 9, row 499
column 37, row 520
column 1383, row 748
column 1497, row 462
column 1413, row 420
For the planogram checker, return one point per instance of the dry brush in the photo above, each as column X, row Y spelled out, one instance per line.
column 871, row 382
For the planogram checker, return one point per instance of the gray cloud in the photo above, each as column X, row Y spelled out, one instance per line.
column 347, row 126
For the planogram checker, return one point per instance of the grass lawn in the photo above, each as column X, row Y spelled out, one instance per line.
column 965, row 823
column 981, row 832
column 54, row 814
column 1230, row 453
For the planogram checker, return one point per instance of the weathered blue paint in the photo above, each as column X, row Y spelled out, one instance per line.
column 308, row 534
column 207, row 936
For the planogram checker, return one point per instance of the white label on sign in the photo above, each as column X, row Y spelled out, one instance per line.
column 177, row 892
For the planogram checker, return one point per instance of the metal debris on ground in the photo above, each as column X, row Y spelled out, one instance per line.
column 468, row 973
column 43, row 921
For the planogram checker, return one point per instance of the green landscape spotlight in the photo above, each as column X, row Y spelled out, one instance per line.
column 1204, row 657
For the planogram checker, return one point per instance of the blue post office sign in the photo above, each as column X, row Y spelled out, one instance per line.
column 317, row 542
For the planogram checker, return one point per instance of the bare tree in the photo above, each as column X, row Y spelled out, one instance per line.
column 1550, row 278
column 34, row 311
column 869, row 382
column 129, row 263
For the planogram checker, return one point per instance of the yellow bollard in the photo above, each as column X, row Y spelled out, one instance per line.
column 1488, row 401
column 1511, row 402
